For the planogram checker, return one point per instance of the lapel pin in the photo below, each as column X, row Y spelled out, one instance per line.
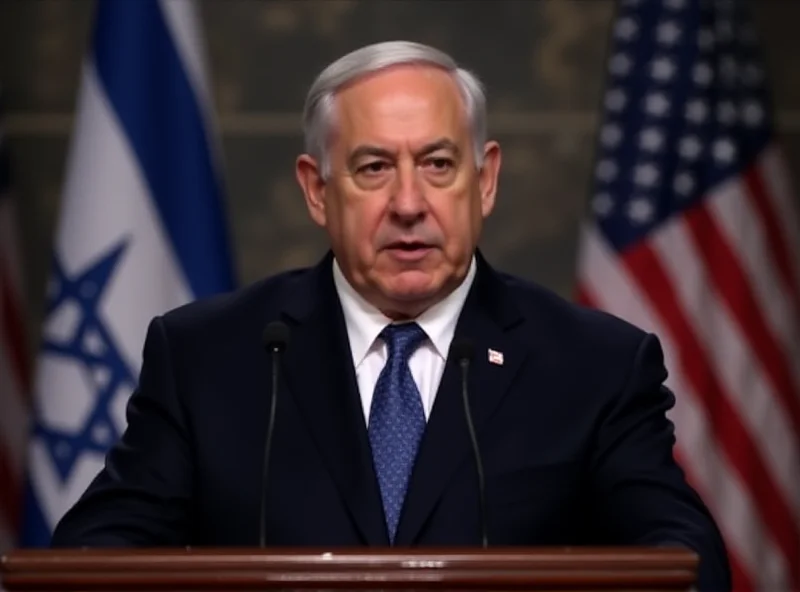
column 495, row 357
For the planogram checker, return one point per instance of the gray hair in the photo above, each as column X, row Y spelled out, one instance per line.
column 319, row 107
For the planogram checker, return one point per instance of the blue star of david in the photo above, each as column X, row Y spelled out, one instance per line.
column 92, row 348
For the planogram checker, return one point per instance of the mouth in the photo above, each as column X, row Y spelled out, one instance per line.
column 408, row 251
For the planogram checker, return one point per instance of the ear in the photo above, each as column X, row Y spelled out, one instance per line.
column 311, row 182
column 488, row 175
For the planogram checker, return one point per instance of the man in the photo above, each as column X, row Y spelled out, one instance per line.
column 370, row 443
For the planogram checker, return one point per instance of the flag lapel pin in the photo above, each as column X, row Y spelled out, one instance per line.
column 495, row 357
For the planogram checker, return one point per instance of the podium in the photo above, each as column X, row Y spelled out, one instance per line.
column 496, row 569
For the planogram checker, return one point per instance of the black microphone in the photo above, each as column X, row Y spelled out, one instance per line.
column 274, row 338
column 462, row 350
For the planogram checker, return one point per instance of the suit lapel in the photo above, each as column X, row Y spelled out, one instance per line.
column 486, row 318
column 320, row 375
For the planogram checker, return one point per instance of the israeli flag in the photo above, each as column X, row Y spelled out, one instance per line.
column 142, row 230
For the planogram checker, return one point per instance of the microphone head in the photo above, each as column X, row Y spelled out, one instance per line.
column 275, row 336
column 462, row 349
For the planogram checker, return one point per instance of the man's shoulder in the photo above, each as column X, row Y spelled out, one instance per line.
column 590, row 345
column 561, row 319
column 248, row 305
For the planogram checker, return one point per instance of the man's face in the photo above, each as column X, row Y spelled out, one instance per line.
column 404, row 203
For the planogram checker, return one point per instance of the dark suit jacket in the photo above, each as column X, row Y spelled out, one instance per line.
column 572, row 429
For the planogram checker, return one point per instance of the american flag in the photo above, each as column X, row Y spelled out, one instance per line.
column 14, row 373
column 695, row 236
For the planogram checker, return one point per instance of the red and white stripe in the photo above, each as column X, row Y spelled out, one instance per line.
column 720, row 286
column 14, row 379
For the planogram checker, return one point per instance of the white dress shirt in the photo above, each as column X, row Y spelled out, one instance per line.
column 365, row 322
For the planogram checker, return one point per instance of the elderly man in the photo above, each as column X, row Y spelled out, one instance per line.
column 371, row 444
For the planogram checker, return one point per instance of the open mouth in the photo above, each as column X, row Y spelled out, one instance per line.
column 408, row 246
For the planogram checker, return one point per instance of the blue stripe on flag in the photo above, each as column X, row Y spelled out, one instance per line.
column 151, row 94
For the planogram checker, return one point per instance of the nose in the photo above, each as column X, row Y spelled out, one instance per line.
column 408, row 203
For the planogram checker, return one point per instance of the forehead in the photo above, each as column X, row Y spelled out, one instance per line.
column 401, row 103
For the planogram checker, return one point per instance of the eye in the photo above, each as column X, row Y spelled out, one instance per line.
column 373, row 168
column 439, row 164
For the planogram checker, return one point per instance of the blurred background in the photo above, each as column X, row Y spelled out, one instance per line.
column 546, row 67
column 543, row 62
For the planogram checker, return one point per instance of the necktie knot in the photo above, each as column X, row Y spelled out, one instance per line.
column 402, row 340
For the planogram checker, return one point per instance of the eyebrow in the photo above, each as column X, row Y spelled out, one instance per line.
column 441, row 144
column 371, row 150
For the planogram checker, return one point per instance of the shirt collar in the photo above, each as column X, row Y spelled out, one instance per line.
column 365, row 322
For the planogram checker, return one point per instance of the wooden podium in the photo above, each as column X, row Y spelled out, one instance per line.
column 496, row 569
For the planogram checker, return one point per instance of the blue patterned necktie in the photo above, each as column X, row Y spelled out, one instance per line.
column 396, row 420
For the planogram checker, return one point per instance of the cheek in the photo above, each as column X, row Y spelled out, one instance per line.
column 360, row 218
column 455, row 214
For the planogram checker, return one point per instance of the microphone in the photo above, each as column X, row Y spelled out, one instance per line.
column 462, row 350
column 274, row 338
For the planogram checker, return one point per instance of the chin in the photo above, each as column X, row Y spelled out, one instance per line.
column 412, row 286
